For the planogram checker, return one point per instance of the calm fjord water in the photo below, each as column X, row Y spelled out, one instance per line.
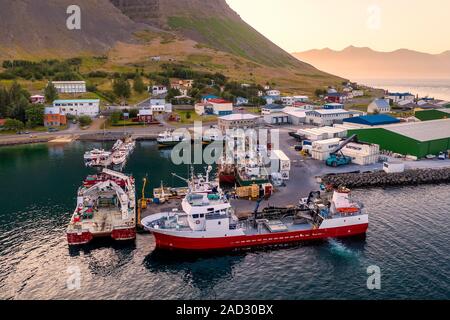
column 408, row 238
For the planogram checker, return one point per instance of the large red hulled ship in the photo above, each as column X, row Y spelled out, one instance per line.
column 208, row 222
column 105, row 208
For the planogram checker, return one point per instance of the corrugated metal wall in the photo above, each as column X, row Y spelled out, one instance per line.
column 400, row 144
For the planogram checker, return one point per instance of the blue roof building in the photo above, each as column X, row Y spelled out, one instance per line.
column 373, row 120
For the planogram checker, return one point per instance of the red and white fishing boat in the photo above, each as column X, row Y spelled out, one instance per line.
column 105, row 209
column 92, row 180
column 208, row 222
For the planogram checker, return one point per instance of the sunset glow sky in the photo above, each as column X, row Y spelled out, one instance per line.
column 383, row 25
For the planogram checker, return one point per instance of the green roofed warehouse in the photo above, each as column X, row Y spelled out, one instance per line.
column 418, row 139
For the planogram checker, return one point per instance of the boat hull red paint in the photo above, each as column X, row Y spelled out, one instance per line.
column 168, row 242
column 124, row 234
column 227, row 179
column 75, row 239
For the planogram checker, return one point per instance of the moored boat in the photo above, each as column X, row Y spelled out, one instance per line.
column 170, row 138
column 104, row 209
column 208, row 222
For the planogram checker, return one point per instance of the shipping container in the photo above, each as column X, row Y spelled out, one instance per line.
column 394, row 167
column 279, row 161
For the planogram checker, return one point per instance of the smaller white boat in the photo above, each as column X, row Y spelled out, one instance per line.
column 171, row 138
column 117, row 145
column 119, row 157
column 96, row 154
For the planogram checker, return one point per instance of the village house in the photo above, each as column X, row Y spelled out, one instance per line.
column 357, row 93
column 324, row 117
column 399, row 97
column 336, row 97
column 271, row 108
column 203, row 108
column 158, row 90
column 208, row 97
column 145, row 116
column 237, row 121
column 240, row 101
column 53, row 117
column 379, row 106
column 70, row 86
column 303, row 106
column 37, row 99
column 271, row 99
column 80, row 107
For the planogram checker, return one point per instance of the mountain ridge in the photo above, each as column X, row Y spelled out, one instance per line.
column 366, row 63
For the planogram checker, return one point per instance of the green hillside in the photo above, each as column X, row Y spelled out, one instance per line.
column 233, row 36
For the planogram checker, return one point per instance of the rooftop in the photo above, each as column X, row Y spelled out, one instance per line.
column 218, row 101
column 78, row 100
column 423, row 131
column 330, row 111
column 400, row 94
column 238, row 116
column 69, row 82
column 273, row 106
column 381, row 103
column 373, row 120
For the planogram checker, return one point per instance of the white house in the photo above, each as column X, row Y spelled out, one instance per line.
column 273, row 93
column 287, row 101
column 379, row 106
column 398, row 97
column 271, row 108
column 80, row 107
column 357, row 93
column 324, row 117
column 221, row 107
column 158, row 90
column 162, row 108
column 70, row 86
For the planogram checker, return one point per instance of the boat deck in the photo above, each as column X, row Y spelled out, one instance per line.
column 102, row 222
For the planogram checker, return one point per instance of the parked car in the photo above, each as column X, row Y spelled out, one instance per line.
column 52, row 130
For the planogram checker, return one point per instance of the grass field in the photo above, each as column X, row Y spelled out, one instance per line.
column 194, row 117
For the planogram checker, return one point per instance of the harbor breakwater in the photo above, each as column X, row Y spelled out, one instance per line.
column 382, row 179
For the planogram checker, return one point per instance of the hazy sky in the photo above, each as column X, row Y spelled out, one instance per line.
column 384, row 25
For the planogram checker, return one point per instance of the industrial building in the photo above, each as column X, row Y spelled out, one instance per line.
column 323, row 133
column 79, row 107
column 372, row 120
column 237, row 121
column 417, row 139
column 70, row 86
column 328, row 117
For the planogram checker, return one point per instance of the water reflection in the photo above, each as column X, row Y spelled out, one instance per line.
column 105, row 257
column 201, row 270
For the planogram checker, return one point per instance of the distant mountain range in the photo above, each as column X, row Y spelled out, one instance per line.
column 365, row 63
